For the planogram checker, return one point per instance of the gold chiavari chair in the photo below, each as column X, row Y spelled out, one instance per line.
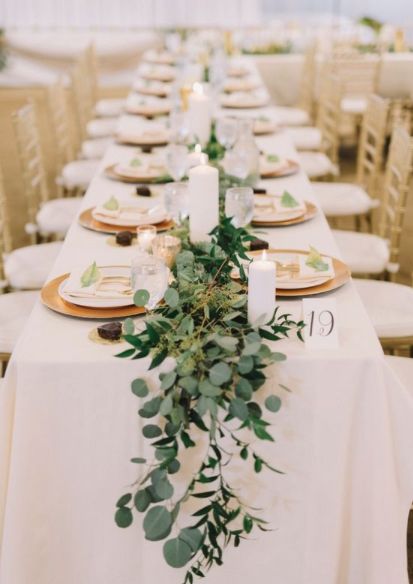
column 108, row 107
column 357, row 200
column 378, row 254
column 324, row 164
column 74, row 175
column 15, row 307
column 47, row 217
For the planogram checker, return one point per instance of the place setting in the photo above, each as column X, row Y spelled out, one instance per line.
column 141, row 168
column 147, row 106
column 163, row 73
column 274, row 166
column 152, row 88
column 271, row 210
column 244, row 100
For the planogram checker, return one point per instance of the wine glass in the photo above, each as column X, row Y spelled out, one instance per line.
column 150, row 273
column 177, row 160
column 226, row 131
column 239, row 204
column 177, row 200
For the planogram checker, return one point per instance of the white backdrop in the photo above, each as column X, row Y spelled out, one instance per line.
column 128, row 13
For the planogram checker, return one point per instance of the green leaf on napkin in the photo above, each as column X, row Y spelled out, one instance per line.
column 90, row 276
column 287, row 200
column 273, row 158
column 316, row 261
column 135, row 162
column 263, row 119
column 112, row 204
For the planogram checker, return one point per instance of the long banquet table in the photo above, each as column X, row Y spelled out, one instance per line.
column 69, row 425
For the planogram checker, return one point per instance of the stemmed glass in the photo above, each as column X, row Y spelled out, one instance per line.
column 150, row 273
column 179, row 127
column 177, row 201
column 177, row 160
column 226, row 131
column 239, row 204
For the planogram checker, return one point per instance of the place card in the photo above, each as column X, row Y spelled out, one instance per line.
column 320, row 317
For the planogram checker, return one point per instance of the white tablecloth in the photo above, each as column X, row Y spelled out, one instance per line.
column 69, row 425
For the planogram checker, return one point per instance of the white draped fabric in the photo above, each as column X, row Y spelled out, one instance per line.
column 68, row 427
column 128, row 13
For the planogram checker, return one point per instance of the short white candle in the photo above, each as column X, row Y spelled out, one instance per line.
column 261, row 290
column 203, row 202
column 146, row 234
column 199, row 115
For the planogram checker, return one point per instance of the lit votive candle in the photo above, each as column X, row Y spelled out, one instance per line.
column 145, row 235
column 261, row 290
column 166, row 247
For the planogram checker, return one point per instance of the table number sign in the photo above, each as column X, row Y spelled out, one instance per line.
column 320, row 317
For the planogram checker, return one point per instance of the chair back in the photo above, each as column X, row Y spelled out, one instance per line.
column 5, row 234
column 31, row 159
column 329, row 115
column 82, row 94
column 307, row 83
column 60, row 115
column 358, row 74
column 371, row 144
column 397, row 183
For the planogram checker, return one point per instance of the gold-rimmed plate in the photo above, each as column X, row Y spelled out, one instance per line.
column 291, row 167
column 111, row 172
column 342, row 275
column 310, row 212
column 143, row 140
column 265, row 127
column 249, row 102
column 87, row 220
column 51, row 298
column 147, row 111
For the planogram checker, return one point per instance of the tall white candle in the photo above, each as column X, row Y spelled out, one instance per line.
column 199, row 115
column 261, row 290
column 203, row 202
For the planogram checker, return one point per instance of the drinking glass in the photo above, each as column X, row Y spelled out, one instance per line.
column 177, row 201
column 150, row 273
column 226, row 131
column 179, row 126
column 145, row 235
column 239, row 204
column 177, row 160
column 166, row 247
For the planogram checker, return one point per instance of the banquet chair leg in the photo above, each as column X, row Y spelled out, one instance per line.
column 4, row 359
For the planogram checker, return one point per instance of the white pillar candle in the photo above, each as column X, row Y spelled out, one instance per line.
column 261, row 290
column 203, row 202
column 199, row 115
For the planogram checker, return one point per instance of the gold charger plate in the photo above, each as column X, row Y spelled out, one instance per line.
column 311, row 211
column 342, row 276
column 157, row 92
column 148, row 112
column 111, row 173
column 252, row 104
column 51, row 298
column 291, row 168
column 87, row 220
column 140, row 141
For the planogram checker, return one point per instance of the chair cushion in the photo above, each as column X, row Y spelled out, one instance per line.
column 27, row 267
column 291, row 116
column 15, row 309
column 57, row 215
column 364, row 253
column 305, row 138
column 340, row 199
column 354, row 105
column 389, row 305
column 101, row 127
column 95, row 149
column 109, row 108
column 79, row 173
column 316, row 164
column 403, row 368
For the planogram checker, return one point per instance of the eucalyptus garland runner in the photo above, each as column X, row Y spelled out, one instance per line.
column 220, row 363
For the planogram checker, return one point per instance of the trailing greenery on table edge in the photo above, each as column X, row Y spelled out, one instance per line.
column 220, row 362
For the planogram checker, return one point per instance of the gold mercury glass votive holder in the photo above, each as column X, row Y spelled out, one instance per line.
column 167, row 248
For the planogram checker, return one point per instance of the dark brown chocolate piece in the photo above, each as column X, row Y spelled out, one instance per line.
column 146, row 149
column 259, row 191
column 124, row 238
column 110, row 331
column 257, row 244
column 143, row 191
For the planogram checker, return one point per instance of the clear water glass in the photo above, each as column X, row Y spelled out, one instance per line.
column 239, row 204
column 150, row 273
column 176, row 197
column 177, row 161
column 226, row 131
column 179, row 126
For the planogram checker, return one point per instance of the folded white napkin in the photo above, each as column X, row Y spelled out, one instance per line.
column 266, row 207
column 104, row 287
column 131, row 215
column 310, row 272
column 268, row 167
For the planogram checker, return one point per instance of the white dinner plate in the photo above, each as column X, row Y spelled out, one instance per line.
column 95, row 302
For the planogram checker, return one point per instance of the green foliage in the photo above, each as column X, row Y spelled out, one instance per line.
column 213, row 388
